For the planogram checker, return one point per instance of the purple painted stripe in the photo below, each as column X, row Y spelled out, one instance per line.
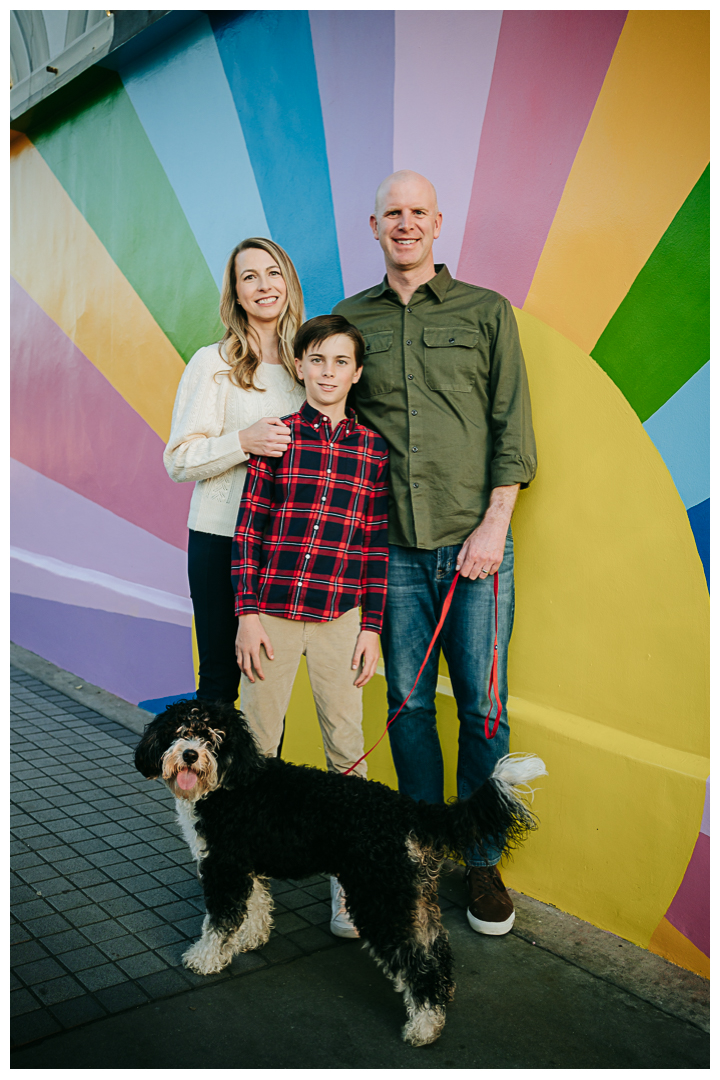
column 549, row 69
column 50, row 519
column 705, row 824
column 71, row 425
column 458, row 49
column 355, row 64
column 690, row 910
column 133, row 658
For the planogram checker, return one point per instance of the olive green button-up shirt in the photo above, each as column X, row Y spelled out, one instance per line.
column 445, row 385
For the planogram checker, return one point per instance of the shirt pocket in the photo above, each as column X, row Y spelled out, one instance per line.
column 377, row 376
column 451, row 358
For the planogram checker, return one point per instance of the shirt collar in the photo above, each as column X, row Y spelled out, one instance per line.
column 439, row 284
column 315, row 419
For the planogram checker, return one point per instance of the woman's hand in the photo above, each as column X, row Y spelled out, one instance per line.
column 250, row 637
column 367, row 650
column 269, row 437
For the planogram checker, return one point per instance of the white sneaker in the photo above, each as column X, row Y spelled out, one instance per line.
column 341, row 924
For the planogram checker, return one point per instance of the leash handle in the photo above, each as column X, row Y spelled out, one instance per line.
column 438, row 628
column 493, row 684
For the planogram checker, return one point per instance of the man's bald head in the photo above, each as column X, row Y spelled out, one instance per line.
column 408, row 182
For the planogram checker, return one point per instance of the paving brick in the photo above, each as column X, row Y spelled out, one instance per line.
column 26, row 860
column 57, row 944
column 242, row 963
column 21, row 894
column 314, row 938
column 163, row 983
column 279, row 949
column 125, row 996
column 80, row 1010
column 83, row 958
column 288, row 922
column 22, row 1001
column 191, row 927
column 121, row 947
column 142, row 964
column 58, row 990
column 103, row 931
column 156, row 936
column 27, row 951
column 49, row 924
column 155, row 897
column 53, row 887
column 69, row 900
column 69, row 863
column 88, row 877
column 34, row 1025
column 122, row 905
column 107, row 891
column 42, row 843
column 176, row 874
column 18, row 933
column 32, row 910
column 180, row 909
column 40, row 872
column 140, row 920
column 107, row 857
column 90, row 847
column 39, row 971
column 156, row 862
column 85, row 915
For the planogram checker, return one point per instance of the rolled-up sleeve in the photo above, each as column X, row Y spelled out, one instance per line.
column 514, row 456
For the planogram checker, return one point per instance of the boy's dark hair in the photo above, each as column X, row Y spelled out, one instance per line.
column 322, row 327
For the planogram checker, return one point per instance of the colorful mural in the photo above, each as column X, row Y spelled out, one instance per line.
column 570, row 154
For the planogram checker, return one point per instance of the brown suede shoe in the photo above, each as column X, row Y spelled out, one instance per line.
column 491, row 910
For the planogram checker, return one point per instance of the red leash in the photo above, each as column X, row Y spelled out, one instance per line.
column 492, row 686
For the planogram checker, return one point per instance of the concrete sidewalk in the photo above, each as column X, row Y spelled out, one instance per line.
column 105, row 900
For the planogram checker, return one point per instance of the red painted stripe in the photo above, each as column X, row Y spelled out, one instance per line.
column 549, row 68
column 69, row 424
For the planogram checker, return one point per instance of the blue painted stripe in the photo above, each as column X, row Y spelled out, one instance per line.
column 680, row 430
column 181, row 95
column 269, row 64
column 700, row 523
column 160, row 704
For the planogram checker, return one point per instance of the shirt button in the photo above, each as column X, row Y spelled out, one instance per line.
column 413, row 412
column 322, row 498
column 408, row 342
column 452, row 340
column 414, row 449
column 315, row 527
column 411, row 376
column 416, row 485
column 307, row 556
column 409, row 311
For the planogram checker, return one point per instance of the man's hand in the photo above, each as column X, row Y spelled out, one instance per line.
column 482, row 552
column 367, row 650
column 250, row 636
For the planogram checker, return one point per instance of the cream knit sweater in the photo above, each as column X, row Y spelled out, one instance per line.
column 204, row 445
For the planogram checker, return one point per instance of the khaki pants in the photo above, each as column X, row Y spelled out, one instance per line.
column 328, row 648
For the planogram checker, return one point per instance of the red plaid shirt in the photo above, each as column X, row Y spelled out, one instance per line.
column 311, row 535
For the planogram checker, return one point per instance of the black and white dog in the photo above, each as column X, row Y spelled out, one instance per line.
column 248, row 818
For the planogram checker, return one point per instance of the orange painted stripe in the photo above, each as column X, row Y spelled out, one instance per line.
column 645, row 147
column 61, row 263
column 670, row 943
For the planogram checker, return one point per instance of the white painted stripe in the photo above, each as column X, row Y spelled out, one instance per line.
column 158, row 597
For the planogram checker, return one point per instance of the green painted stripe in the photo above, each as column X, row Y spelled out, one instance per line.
column 98, row 149
column 660, row 335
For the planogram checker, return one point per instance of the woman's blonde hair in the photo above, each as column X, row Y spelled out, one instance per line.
column 240, row 354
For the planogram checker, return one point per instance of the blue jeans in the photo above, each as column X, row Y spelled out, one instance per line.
column 418, row 582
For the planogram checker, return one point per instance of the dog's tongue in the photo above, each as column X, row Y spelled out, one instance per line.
column 186, row 779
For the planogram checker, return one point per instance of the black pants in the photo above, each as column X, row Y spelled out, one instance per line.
column 216, row 623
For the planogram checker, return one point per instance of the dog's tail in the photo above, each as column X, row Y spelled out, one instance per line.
column 496, row 813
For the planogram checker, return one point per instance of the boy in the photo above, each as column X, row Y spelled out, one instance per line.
column 310, row 547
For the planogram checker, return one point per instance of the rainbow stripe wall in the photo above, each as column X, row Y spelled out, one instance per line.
column 570, row 154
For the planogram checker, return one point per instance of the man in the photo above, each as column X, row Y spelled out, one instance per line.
column 445, row 385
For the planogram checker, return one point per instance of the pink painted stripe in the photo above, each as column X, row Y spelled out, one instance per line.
column 355, row 64
column 705, row 823
column 549, row 69
column 458, row 49
column 50, row 519
column 71, row 425
column 690, row 910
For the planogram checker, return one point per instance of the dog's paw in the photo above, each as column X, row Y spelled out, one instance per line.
column 424, row 1026
column 204, row 958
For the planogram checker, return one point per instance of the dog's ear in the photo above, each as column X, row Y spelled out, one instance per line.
column 150, row 749
column 238, row 756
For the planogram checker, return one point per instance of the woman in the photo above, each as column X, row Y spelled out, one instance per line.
column 228, row 405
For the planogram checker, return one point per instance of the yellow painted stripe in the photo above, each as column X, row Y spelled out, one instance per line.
column 61, row 263
column 645, row 147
